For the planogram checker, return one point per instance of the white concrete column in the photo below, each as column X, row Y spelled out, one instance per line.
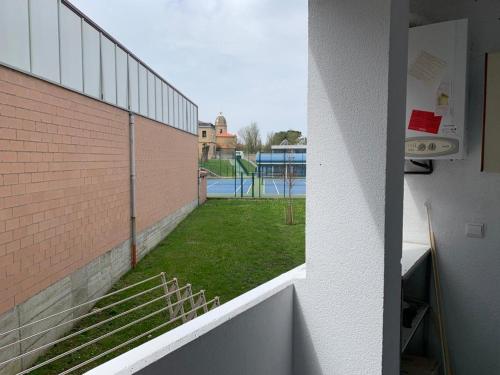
column 347, row 310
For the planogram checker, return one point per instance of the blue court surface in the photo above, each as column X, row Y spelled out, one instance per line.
column 228, row 187
column 280, row 187
column 267, row 187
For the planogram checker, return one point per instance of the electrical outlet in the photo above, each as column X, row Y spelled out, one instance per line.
column 474, row 230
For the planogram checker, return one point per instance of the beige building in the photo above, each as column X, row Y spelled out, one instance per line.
column 206, row 140
column 215, row 139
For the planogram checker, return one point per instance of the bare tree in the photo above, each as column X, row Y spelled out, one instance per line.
column 250, row 135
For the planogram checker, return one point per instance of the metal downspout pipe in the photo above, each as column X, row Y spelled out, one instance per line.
column 198, row 179
column 133, row 239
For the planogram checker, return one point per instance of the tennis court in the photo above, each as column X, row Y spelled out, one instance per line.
column 263, row 187
column 280, row 186
column 229, row 186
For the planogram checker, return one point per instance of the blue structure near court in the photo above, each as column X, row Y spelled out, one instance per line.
column 284, row 160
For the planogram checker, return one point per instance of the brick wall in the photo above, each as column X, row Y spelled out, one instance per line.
column 64, row 181
column 166, row 169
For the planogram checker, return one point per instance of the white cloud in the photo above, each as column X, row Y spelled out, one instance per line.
column 247, row 58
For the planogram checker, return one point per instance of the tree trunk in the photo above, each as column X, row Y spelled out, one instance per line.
column 289, row 220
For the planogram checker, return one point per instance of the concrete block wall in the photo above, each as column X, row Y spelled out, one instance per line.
column 65, row 199
column 88, row 282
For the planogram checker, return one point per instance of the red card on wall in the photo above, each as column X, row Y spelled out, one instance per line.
column 424, row 121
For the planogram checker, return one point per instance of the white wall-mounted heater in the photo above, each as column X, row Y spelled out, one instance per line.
column 436, row 91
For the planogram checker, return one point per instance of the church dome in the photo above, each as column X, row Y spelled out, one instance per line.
column 220, row 121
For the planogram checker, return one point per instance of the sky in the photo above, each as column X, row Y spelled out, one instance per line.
column 244, row 58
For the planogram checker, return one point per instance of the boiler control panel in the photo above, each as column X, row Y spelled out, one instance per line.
column 430, row 147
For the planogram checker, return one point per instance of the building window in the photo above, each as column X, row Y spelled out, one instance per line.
column 204, row 134
column 220, row 131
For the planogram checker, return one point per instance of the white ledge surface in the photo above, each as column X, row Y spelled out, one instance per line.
column 151, row 351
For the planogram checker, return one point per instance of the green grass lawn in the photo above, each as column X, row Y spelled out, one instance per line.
column 222, row 168
column 225, row 247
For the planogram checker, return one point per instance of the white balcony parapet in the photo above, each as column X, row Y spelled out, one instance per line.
column 154, row 350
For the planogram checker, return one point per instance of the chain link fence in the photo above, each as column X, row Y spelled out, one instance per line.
column 264, row 175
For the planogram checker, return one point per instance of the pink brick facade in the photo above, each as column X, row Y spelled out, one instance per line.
column 64, row 181
column 166, row 170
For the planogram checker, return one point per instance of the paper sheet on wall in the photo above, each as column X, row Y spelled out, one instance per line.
column 443, row 99
column 428, row 69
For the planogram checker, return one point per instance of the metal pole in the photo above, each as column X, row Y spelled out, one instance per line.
column 284, row 176
column 258, row 165
column 259, row 178
column 235, row 175
column 253, row 184
column 133, row 239
column 241, row 184
column 198, row 182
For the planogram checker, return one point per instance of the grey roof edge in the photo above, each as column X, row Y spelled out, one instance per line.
column 114, row 40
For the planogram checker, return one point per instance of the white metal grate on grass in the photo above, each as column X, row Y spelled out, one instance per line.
column 138, row 311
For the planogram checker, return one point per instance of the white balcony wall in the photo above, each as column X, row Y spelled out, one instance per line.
column 347, row 309
column 459, row 193
column 256, row 342
column 249, row 335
